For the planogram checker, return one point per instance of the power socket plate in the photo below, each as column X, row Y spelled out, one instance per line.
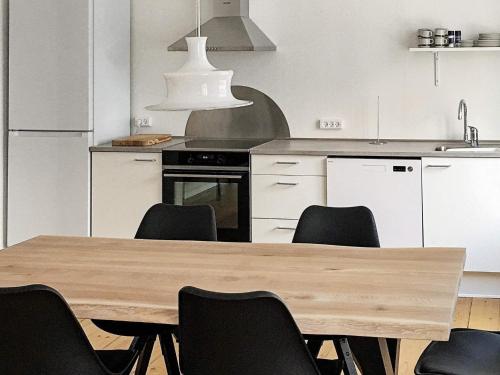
column 144, row 122
column 331, row 124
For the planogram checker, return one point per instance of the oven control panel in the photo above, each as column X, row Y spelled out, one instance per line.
column 204, row 158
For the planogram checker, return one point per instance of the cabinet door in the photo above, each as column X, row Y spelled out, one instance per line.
column 461, row 199
column 48, row 185
column 124, row 186
column 50, row 70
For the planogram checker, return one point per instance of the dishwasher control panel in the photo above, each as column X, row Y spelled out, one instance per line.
column 402, row 168
column 399, row 168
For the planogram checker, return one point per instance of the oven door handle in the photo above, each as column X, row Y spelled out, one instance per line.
column 225, row 176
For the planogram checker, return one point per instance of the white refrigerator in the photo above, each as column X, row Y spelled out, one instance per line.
column 69, row 88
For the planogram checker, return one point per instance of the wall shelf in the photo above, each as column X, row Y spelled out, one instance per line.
column 460, row 49
column 437, row 50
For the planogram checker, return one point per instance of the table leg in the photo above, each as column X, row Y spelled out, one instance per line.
column 391, row 368
column 396, row 360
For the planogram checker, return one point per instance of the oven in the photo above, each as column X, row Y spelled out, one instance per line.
column 218, row 179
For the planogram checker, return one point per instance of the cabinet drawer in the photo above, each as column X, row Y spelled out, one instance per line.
column 273, row 231
column 286, row 197
column 293, row 165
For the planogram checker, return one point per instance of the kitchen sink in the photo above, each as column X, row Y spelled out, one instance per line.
column 484, row 148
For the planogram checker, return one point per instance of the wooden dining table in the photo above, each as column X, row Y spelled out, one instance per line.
column 383, row 293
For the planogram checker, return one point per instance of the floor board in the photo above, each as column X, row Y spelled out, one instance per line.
column 462, row 313
column 485, row 314
column 477, row 313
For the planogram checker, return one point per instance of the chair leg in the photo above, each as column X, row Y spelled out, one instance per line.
column 345, row 356
column 314, row 346
column 145, row 356
column 137, row 343
column 168, row 350
column 375, row 356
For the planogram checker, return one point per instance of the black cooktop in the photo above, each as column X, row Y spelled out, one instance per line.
column 226, row 145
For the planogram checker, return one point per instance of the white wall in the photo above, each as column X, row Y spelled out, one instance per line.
column 3, row 108
column 334, row 57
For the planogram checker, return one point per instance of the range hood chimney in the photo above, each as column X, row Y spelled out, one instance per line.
column 230, row 30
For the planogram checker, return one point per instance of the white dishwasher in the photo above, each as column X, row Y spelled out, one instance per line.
column 390, row 188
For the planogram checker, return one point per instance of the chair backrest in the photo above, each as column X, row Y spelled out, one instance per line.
column 244, row 334
column 183, row 223
column 347, row 226
column 40, row 335
column 341, row 226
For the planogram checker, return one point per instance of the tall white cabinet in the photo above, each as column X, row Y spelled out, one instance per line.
column 69, row 88
column 461, row 200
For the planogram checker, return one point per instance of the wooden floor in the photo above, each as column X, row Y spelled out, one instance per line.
column 472, row 313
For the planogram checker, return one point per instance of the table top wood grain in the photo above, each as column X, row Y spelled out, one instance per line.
column 391, row 293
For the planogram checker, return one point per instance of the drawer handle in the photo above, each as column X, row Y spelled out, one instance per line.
column 146, row 160
column 438, row 166
column 288, row 162
column 287, row 183
column 285, row 228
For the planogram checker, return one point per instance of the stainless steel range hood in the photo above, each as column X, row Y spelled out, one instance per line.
column 231, row 29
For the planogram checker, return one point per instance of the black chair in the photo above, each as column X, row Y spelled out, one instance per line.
column 165, row 222
column 40, row 335
column 244, row 334
column 180, row 223
column 339, row 226
column 469, row 352
column 345, row 226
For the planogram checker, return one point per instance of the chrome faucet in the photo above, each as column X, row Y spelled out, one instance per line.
column 471, row 134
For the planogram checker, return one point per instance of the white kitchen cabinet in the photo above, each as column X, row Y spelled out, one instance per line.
column 273, row 231
column 124, row 186
column 283, row 186
column 461, row 201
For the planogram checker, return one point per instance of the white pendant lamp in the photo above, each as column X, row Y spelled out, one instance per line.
column 198, row 85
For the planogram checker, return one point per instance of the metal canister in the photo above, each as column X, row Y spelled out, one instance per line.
column 458, row 38
column 451, row 39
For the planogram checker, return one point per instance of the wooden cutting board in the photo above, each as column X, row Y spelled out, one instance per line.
column 142, row 140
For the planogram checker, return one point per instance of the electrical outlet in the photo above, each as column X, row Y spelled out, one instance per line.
column 331, row 124
column 144, row 122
